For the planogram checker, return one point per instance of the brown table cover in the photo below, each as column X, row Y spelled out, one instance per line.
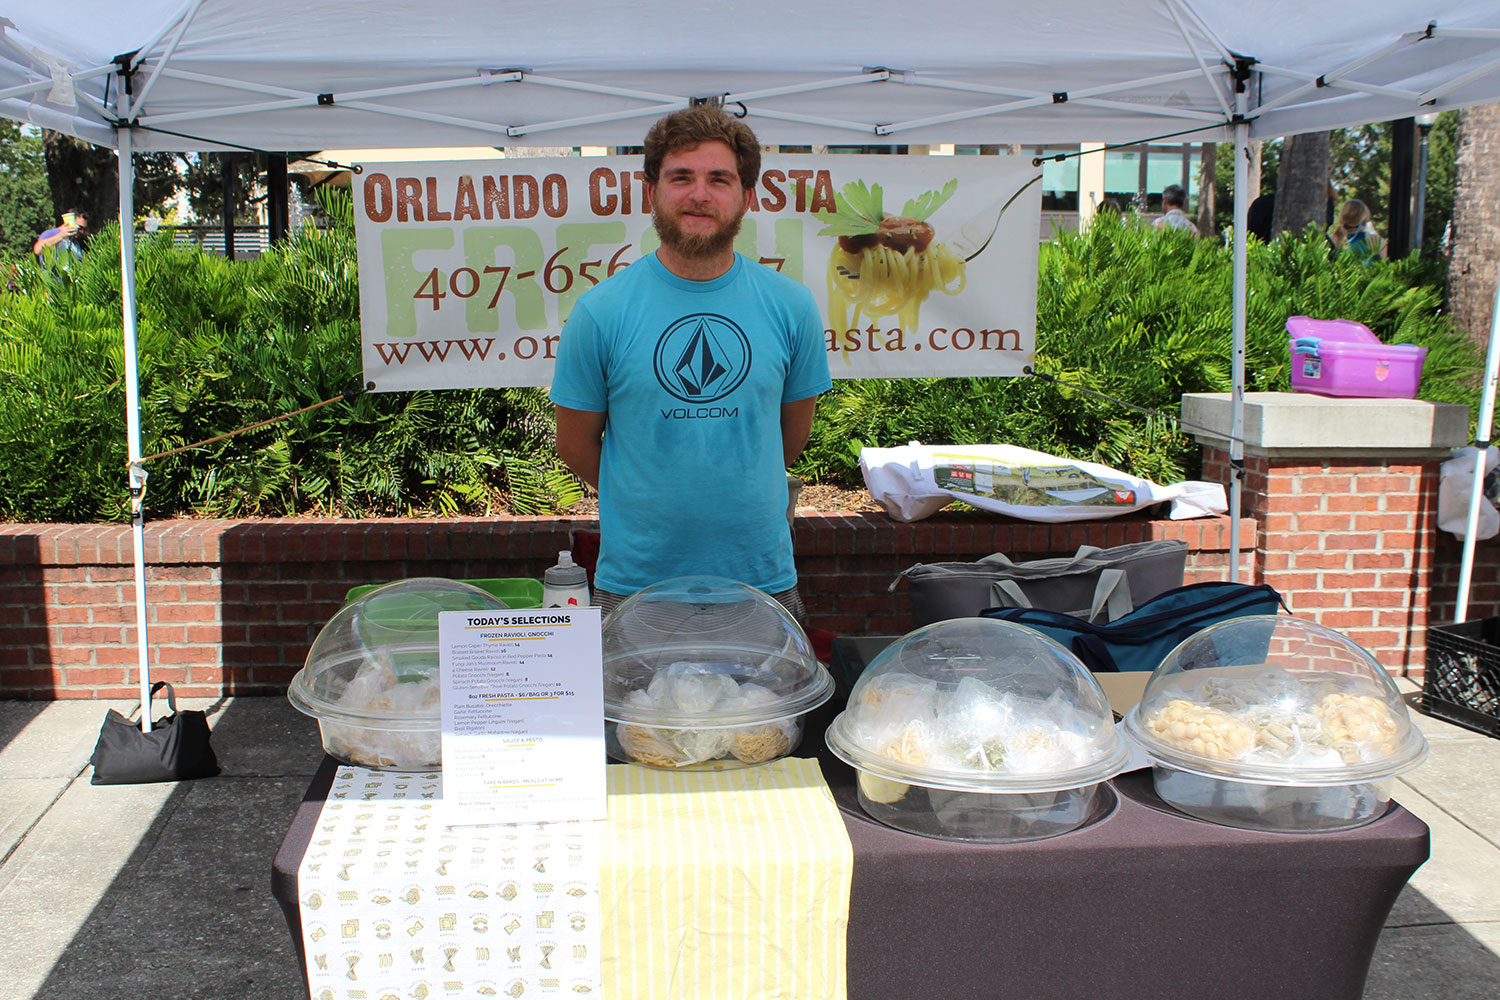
column 1141, row 901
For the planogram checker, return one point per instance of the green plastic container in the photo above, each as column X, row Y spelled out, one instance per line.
column 400, row 630
column 516, row 591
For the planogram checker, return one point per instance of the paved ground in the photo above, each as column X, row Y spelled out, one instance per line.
column 164, row 890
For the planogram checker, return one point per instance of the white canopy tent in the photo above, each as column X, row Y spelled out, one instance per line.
column 380, row 73
column 284, row 75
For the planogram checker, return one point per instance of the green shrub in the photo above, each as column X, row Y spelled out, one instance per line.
column 1144, row 316
column 1121, row 310
column 224, row 345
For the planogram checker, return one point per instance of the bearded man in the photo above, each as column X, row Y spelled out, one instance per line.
column 686, row 383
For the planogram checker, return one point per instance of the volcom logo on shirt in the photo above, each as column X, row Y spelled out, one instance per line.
column 701, row 358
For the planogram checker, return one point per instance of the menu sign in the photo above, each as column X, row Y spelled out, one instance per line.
column 523, row 715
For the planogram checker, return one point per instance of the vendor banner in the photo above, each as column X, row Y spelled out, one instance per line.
column 921, row 265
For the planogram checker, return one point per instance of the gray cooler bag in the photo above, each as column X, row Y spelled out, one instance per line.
column 1092, row 584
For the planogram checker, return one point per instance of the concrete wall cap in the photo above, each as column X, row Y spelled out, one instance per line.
column 1288, row 424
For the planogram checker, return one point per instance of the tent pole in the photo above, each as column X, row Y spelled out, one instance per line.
column 1482, row 440
column 133, row 414
column 1237, row 362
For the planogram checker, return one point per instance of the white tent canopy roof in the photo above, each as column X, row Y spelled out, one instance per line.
column 463, row 72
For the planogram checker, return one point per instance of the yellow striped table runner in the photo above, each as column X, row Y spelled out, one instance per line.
column 724, row 885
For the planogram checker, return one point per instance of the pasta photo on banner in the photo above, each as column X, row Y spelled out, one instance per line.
column 921, row 265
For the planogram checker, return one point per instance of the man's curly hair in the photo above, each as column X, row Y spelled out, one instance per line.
column 691, row 126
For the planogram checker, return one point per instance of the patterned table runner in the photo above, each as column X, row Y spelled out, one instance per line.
column 701, row 885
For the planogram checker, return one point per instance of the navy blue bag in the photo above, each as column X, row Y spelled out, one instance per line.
column 1143, row 638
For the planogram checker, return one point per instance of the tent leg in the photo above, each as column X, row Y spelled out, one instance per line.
column 1482, row 439
column 133, row 414
column 1237, row 396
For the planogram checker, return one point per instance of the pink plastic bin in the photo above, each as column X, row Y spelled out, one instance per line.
column 1339, row 357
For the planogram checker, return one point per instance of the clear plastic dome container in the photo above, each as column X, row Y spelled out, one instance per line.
column 371, row 676
column 701, row 671
column 980, row 730
column 1273, row 723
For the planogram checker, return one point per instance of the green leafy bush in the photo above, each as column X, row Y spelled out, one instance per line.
column 25, row 199
column 225, row 345
column 1121, row 310
column 1144, row 316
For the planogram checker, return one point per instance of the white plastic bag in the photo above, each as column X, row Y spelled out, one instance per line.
column 919, row 480
column 1455, row 487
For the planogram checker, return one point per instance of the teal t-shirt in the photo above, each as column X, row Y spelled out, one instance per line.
column 692, row 375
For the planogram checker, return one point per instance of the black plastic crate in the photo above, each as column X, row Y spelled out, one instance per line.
column 1462, row 681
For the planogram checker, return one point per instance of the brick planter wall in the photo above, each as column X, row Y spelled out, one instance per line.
column 234, row 605
column 1346, row 531
column 1348, row 542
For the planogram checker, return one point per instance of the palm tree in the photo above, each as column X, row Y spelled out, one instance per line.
column 1208, row 160
column 1476, row 222
column 1302, row 183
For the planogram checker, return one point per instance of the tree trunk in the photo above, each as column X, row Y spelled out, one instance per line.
column 1302, row 184
column 1475, row 238
column 1208, row 170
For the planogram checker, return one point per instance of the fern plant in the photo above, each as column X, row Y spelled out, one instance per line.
column 224, row 345
column 1122, row 311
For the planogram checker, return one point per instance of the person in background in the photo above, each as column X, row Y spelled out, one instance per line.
column 686, row 383
column 1353, row 233
column 1174, row 216
column 61, row 237
column 1258, row 216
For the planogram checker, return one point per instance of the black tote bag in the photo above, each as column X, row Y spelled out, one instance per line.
column 177, row 748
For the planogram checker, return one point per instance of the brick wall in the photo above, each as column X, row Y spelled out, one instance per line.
column 1349, row 543
column 234, row 605
column 1484, row 583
